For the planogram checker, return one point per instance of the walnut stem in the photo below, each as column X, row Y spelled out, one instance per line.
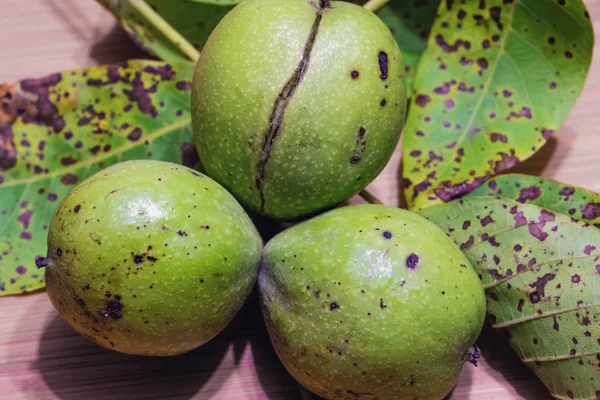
column 166, row 29
column 375, row 5
column 369, row 198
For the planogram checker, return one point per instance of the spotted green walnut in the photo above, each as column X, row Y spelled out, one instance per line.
column 370, row 302
column 296, row 104
column 151, row 258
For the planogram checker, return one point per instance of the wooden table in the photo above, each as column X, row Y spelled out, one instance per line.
column 41, row 357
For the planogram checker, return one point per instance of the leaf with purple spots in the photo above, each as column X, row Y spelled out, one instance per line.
column 58, row 130
column 513, row 71
column 410, row 23
column 541, row 273
column 193, row 19
column 576, row 202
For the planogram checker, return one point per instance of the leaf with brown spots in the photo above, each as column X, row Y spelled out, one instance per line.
column 576, row 202
column 541, row 273
column 58, row 130
column 410, row 23
column 497, row 79
column 193, row 19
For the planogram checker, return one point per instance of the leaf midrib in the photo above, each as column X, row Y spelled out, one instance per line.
column 94, row 159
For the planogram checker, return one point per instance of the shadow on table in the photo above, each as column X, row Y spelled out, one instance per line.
column 75, row 368
column 537, row 163
column 117, row 46
column 274, row 379
column 114, row 46
column 502, row 358
column 463, row 385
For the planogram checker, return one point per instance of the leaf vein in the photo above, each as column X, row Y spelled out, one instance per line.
column 517, row 321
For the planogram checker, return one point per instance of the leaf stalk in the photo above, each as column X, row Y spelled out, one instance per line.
column 166, row 29
column 375, row 5
column 369, row 198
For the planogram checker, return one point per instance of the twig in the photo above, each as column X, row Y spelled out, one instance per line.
column 166, row 29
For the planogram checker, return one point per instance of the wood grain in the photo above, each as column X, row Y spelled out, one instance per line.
column 41, row 357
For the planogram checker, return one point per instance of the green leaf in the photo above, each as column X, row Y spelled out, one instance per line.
column 497, row 79
column 58, row 130
column 578, row 203
column 410, row 22
column 541, row 271
column 194, row 20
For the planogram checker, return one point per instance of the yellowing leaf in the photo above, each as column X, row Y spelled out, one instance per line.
column 497, row 79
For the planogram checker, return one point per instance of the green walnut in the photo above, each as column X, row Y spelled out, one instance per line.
column 296, row 104
column 150, row 258
column 370, row 302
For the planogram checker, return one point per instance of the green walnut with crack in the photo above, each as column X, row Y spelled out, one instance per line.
column 296, row 104
column 371, row 302
column 150, row 258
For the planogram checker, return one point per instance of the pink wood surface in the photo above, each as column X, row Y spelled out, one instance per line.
column 41, row 357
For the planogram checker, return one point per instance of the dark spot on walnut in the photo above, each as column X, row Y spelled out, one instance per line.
column 382, row 305
column 113, row 309
column 412, row 261
column 383, row 64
